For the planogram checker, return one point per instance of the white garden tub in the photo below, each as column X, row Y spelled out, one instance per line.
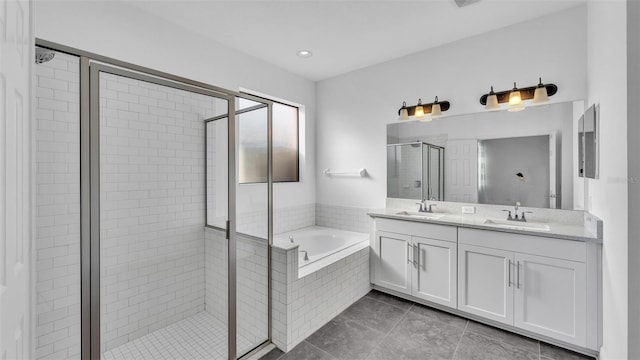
column 323, row 245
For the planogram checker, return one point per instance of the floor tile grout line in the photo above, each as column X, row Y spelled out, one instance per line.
column 386, row 303
column 390, row 330
column 460, row 340
column 319, row 348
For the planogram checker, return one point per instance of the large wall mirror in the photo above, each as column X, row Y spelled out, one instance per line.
column 492, row 157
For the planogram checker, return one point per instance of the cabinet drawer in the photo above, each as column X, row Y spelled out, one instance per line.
column 527, row 244
column 431, row 231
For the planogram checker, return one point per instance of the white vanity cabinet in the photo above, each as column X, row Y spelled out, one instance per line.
column 416, row 259
column 394, row 261
column 534, row 283
column 484, row 282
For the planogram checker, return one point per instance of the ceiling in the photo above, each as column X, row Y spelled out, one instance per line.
column 343, row 35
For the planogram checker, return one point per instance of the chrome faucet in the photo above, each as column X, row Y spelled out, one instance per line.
column 306, row 254
column 424, row 207
column 515, row 217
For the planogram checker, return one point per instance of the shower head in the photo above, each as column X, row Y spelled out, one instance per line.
column 44, row 55
column 520, row 176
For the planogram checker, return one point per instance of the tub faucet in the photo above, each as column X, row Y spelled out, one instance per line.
column 306, row 254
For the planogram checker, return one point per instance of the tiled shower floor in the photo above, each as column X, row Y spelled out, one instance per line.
column 200, row 336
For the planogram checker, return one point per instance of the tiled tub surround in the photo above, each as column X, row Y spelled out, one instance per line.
column 57, row 243
column 152, row 208
column 303, row 305
column 254, row 223
column 343, row 217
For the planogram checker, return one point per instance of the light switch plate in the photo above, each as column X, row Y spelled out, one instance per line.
column 468, row 209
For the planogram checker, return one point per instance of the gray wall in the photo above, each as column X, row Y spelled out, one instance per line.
column 502, row 159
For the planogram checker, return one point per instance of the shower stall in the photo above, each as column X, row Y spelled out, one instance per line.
column 147, row 245
column 415, row 170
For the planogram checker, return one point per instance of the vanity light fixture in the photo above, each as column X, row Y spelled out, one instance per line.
column 492, row 101
column 436, row 109
column 540, row 95
column 516, row 96
column 419, row 111
column 515, row 99
column 404, row 113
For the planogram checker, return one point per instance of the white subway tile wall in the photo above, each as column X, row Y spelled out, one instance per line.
column 284, row 219
column 302, row 306
column 251, row 289
column 345, row 218
column 158, row 265
column 152, row 208
column 57, row 243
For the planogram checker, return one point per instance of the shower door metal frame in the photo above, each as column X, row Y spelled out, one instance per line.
column 269, row 105
column 90, row 66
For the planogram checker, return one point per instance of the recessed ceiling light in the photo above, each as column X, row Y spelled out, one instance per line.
column 304, row 53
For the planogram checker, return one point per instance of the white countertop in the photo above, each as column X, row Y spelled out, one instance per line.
column 556, row 230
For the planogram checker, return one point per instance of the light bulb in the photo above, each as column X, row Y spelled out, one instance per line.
column 419, row 112
column 540, row 95
column 404, row 113
column 492, row 101
column 436, row 109
column 514, row 97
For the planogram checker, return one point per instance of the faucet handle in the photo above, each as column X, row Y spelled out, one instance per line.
column 526, row 212
column 509, row 211
column 421, row 208
column 430, row 205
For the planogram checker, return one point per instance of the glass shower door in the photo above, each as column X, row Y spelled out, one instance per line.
column 155, row 298
column 254, row 223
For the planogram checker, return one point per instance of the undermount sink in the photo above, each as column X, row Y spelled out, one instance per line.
column 516, row 225
column 420, row 215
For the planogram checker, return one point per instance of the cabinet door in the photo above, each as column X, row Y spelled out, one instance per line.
column 434, row 278
column 394, row 262
column 550, row 297
column 485, row 283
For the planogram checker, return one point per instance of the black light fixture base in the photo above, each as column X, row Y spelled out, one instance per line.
column 525, row 93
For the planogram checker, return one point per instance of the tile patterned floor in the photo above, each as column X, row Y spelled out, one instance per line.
column 200, row 336
column 383, row 327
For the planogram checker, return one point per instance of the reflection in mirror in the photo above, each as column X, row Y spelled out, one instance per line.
column 415, row 171
column 589, row 143
column 484, row 153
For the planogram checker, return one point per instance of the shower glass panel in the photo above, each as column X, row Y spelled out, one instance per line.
column 415, row 171
column 159, row 297
column 252, row 209
column 404, row 171
column 435, row 173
